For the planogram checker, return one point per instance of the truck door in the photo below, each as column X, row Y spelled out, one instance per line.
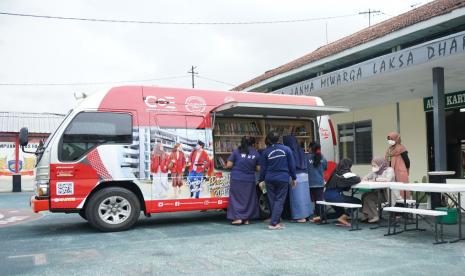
column 90, row 151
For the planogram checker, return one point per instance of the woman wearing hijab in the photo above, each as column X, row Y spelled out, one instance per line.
column 243, row 200
column 177, row 165
column 380, row 172
column 341, row 180
column 159, row 168
column 301, row 207
column 317, row 164
column 397, row 158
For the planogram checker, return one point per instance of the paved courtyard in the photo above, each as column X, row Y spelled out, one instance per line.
column 203, row 243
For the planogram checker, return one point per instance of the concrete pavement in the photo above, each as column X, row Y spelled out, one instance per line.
column 204, row 243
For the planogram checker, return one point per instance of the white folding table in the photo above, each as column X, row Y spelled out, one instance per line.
column 436, row 188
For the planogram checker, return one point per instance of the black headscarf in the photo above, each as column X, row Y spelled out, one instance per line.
column 337, row 180
column 343, row 167
column 316, row 151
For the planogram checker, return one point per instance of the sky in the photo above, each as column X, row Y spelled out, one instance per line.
column 43, row 62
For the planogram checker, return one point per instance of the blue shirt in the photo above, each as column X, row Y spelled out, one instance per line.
column 277, row 164
column 316, row 174
column 244, row 164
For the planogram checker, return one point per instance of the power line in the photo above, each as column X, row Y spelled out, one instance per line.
column 90, row 83
column 387, row 14
column 210, row 79
column 176, row 22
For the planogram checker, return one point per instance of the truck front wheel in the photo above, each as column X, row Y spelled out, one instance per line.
column 113, row 209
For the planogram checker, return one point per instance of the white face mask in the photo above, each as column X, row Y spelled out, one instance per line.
column 391, row 142
column 198, row 147
column 374, row 169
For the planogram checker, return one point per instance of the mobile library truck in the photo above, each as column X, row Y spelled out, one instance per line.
column 133, row 149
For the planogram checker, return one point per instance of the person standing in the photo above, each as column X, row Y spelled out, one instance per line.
column 317, row 165
column 341, row 180
column 177, row 164
column 301, row 207
column 397, row 158
column 243, row 200
column 277, row 166
column 159, row 168
column 198, row 162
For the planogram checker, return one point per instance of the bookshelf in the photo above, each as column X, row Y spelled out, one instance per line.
column 228, row 132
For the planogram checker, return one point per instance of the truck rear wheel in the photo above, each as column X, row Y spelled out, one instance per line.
column 113, row 209
column 263, row 205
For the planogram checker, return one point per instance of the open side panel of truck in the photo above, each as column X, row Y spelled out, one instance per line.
column 233, row 120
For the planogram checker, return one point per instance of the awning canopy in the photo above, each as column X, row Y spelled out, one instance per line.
column 276, row 110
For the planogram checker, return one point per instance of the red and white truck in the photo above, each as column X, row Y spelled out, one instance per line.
column 111, row 157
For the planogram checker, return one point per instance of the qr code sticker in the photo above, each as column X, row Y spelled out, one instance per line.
column 65, row 188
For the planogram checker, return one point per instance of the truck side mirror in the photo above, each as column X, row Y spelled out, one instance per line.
column 23, row 136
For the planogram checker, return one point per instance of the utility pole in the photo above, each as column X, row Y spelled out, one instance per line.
column 369, row 12
column 193, row 73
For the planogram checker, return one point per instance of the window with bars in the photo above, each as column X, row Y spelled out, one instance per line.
column 355, row 142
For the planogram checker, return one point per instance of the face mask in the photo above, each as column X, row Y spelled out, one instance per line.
column 374, row 169
column 198, row 147
column 391, row 142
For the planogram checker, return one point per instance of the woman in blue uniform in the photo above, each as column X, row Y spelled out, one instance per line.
column 301, row 207
column 277, row 167
column 243, row 200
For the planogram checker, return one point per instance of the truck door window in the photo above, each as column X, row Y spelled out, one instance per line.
column 90, row 129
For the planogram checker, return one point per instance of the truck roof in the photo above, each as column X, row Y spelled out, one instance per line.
column 181, row 101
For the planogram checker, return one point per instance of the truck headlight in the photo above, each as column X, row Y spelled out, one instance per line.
column 42, row 187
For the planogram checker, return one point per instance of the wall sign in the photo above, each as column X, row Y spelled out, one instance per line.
column 423, row 53
column 453, row 100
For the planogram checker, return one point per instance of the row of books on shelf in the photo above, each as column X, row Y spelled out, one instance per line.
column 288, row 130
column 237, row 128
column 226, row 145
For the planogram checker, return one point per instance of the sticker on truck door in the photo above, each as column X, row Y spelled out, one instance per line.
column 65, row 188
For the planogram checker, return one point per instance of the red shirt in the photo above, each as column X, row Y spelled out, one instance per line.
column 159, row 163
column 211, row 167
column 178, row 163
column 202, row 161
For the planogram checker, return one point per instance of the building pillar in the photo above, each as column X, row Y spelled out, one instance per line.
column 439, row 120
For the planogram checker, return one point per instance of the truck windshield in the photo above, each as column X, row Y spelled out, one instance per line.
column 41, row 149
column 47, row 141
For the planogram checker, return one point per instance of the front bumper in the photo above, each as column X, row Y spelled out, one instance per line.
column 39, row 205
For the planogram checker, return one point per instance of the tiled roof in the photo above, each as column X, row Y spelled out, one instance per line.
column 35, row 122
column 422, row 13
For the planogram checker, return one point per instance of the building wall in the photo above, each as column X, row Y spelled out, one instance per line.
column 384, row 120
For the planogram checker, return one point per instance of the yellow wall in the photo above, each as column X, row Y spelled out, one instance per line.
column 384, row 120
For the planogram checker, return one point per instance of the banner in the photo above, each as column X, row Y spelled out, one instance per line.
column 26, row 161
